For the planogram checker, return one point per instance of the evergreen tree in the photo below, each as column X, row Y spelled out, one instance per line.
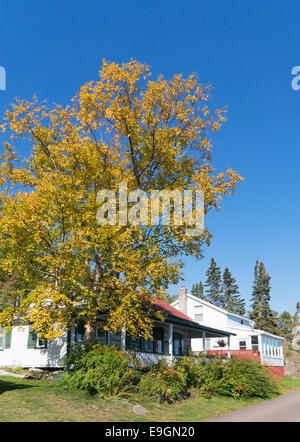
column 261, row 313
column 195, row 289
column 213, row 284
column 170, row 298
column 198, row 290
column 285, row 325
column 232, row 299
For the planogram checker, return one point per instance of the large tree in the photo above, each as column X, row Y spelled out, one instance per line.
column 213, row 284
column 261, row 312
column 151, row 134
column 232, row 299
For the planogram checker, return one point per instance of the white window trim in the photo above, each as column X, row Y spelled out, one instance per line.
column 37, row 345
column 2, row 336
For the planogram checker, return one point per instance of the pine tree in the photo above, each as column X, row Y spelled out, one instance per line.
column 261, row 311
column 232, row 299
column 195, row 289
column 198, row 290
column 213, row 284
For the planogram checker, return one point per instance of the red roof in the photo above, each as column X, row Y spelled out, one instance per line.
column 162, row 305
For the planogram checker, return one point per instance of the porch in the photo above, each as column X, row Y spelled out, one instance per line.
column 171, row 340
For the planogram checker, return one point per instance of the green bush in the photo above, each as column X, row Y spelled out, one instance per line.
column 238, row 378
column 211, row 379
column 235, row 377
column 100, row 369
column 248, row 378
column 163, row 383
column 111, row 372
column 192, row 367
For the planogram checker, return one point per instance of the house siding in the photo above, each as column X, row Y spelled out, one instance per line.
column 18, row 355
column 269, row 346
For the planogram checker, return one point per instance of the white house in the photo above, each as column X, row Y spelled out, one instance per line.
column 171, row 339
column 263, row 345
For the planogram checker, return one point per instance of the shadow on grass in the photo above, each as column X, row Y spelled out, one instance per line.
column 8, row 386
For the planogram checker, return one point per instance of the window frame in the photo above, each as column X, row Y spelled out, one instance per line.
column 198, row 316
column 255, row 346
column 245, row 346
column 80, row 325
column 40, row 343
column 35, row 342
column 158, row 330
column 2, row 338
column 175, row 335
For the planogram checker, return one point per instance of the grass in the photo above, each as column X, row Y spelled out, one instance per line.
column 17, row 370
column 27, row 400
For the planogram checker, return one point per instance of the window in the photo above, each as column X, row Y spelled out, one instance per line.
column 254, row 343
column 198, row 313
column 243, row 345
column 132, row 343
column 268, row 346
column 116, row 339
column 139, row 344
column 41, row 343
column 80, row 332
column 147, row 345
column 34, row 341
column 158, row 340
column 101, row 336
column 177, row 342
column 279, row 349
column 1, row 338
column 5, row 338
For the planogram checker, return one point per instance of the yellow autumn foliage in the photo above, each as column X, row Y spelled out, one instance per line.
column 125, row 127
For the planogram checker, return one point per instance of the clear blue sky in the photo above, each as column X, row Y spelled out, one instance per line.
column 245, row 49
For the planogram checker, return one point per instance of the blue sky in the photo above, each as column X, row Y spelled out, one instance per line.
column 245, row 49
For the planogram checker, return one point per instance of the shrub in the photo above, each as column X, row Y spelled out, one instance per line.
column 211, row 379
column 111, row 372
column 163, row 383
column 238, row 378
column 192, row 367
column 248, row 378
column 100, row 369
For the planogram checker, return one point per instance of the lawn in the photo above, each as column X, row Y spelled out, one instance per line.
column 40, row 400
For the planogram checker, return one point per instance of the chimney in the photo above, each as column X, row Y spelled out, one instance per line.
column 182, row 301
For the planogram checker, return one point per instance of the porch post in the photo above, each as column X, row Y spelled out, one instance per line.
column 229, row 352
column 123, row 338
column 204, row 341
column 171, row 341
